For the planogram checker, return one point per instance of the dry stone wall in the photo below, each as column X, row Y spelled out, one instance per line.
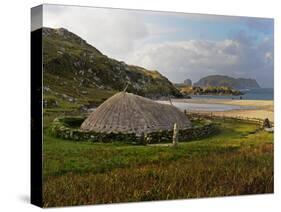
column 66, row 128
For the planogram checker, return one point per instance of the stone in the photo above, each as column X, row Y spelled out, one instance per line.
column 84, row 82
column 175, row 135
column 96, row 78
column 81, row 72
column 50, row 103
column 46, row 88
column 71, row 99
column 68, row 127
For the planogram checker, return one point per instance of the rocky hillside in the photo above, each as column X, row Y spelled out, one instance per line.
column 220, row 80
column 78, row 72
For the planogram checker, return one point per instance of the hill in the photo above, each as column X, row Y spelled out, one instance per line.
column 77, row 73
column 209, row 90
column 220, row 80
column 187, row 82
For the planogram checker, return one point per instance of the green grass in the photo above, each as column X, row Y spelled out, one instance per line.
column 236, row 161
column 70, row 87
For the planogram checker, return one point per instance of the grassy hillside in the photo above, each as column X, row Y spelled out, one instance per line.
column 237, row 161
column 76, row 73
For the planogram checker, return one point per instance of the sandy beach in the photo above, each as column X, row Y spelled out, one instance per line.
column 262, row 108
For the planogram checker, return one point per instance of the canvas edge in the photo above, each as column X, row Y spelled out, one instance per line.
column 36, row 106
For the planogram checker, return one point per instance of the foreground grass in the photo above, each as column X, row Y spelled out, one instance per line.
column 237, row 161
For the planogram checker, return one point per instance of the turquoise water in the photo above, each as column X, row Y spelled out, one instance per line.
column 252, row 94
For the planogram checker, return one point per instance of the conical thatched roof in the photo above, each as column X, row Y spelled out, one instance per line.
column 129, row 113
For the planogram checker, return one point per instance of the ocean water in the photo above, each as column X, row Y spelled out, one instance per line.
column 251, row 94
column 206, row 107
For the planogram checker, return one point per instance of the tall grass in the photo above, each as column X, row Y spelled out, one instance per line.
column 235, row 162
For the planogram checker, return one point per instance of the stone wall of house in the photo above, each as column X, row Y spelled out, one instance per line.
column 62, row 128
column 193, row 133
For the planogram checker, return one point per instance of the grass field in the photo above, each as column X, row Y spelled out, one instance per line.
column 237, row 161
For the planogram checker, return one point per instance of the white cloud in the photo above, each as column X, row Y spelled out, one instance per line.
column 144, row 38
column 113, row 31
column 194, row 59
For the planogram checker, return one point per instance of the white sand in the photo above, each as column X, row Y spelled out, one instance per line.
column 263, row 108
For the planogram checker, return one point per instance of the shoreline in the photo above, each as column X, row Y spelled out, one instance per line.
column 263, row 108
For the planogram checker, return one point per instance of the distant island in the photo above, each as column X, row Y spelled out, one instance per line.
column 210, row 90
column 187, row 82
column 216, row 85
column 226, row 81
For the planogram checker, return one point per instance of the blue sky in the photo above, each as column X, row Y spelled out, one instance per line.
column 209, row 27
column 178, row 45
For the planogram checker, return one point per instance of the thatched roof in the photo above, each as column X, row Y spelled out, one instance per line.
column 129, row 113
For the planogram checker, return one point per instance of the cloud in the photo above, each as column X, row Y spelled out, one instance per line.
column 172, row 43
column 242, row 37
column 196, row 58
column 115, row 32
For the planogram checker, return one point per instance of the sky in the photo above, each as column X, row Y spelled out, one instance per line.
column 178, row 45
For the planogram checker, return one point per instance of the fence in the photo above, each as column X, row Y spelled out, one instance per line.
column 212, row 116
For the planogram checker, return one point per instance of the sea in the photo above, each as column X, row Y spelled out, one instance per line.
column 190, row 106
column 250, row 94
